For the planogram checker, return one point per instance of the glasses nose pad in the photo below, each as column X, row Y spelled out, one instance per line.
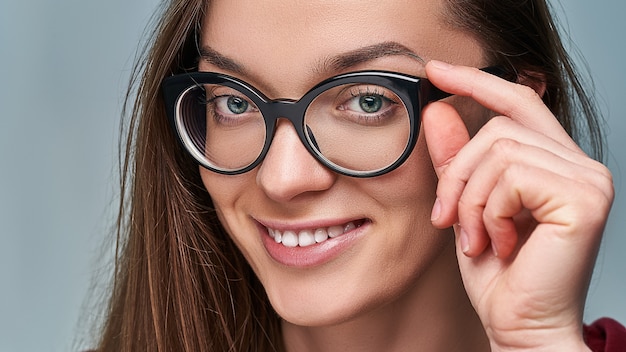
column 312, row 137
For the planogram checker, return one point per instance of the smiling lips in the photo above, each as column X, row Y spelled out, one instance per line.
column 308, row 237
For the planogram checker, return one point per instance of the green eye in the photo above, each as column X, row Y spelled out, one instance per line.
column 370, row 103
column 237, row 105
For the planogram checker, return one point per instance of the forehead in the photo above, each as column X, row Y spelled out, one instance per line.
column 288, row 39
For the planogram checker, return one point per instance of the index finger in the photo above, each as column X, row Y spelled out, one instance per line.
column 518, row 102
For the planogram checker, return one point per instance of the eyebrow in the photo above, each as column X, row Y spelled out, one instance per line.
column 334, row 63
column 223, row 62
column 367, row 53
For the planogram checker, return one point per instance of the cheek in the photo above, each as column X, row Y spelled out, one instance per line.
column 229, row 194
column 218, row 188
column 223, row 188
column 406, row 196
column 225, row 192
column 411, row 244
column 414, row 182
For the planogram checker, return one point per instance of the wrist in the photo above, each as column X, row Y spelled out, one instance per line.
column 538, row 341
column 578, row 346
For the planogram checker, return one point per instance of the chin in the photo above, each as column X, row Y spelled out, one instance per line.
column 320, row 307
column 314, row 316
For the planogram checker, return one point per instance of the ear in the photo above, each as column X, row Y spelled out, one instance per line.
column 534, row 80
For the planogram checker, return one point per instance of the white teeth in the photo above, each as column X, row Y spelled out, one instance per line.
column 290, row 239
column 278, row 237
column 321, row 235
column 335, row 231
column 308, row 237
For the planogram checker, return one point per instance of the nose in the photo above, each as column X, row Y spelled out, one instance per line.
column 289, row 170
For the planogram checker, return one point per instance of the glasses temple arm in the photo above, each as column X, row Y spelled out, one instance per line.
column 435, row 93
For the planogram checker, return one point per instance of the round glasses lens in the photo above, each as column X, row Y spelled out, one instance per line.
column 359, row 127
column 220, row 126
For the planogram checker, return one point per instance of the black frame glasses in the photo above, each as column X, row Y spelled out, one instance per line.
column 415, row 93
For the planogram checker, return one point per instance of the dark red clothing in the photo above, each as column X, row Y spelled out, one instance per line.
column 605, row 335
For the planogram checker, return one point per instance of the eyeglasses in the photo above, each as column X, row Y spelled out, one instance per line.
column 360, row 124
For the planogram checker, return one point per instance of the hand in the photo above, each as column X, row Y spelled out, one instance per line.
column 528, row 209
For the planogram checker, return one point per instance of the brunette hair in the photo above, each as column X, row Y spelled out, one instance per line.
column 522, row 36
column 180, row 283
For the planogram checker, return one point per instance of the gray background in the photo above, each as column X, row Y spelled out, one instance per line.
column 63, row 69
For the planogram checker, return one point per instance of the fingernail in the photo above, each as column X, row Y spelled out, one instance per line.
column 494, row 248
column 436, row 210
column 464, row 238
column 441, row 65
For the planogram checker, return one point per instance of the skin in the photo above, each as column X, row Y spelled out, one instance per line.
column 398, row 284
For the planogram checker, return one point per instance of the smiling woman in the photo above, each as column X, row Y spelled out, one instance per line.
column 307, row 177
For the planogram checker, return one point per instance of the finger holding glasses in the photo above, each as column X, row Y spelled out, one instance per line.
column 528, row 208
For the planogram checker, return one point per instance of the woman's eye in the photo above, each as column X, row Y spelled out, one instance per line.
column 363, row 104
column 227, row 107
column 369, row 103
column 232, row 104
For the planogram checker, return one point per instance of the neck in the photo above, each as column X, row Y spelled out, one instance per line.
column 433, row 315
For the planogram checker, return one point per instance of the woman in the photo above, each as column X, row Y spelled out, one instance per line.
column 359, row 217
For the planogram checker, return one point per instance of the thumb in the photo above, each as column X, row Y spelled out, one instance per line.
column 445, row 134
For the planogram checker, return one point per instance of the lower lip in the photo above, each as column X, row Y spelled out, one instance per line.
column 313, row 255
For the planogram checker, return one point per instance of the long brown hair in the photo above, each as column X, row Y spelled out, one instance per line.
column 522, row 36
column 180, row 283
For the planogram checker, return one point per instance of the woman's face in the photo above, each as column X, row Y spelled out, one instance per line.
column 385, row 242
